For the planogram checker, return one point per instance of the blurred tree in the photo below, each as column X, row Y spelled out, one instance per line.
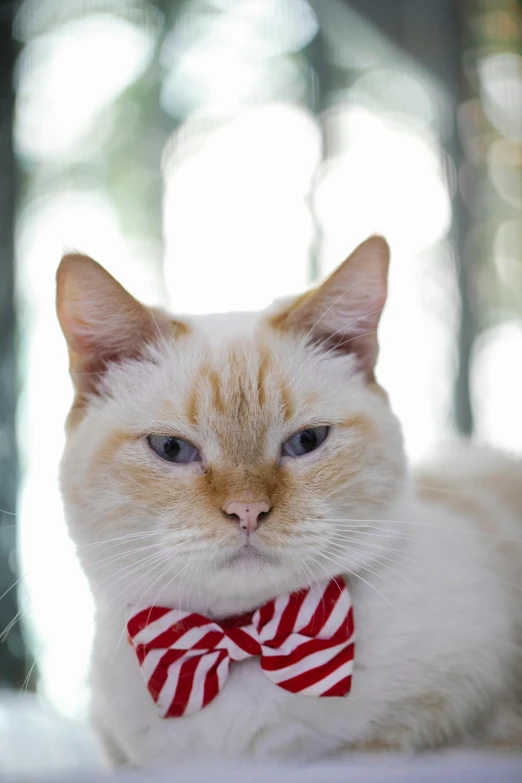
column 12, row 663
column 431, row 33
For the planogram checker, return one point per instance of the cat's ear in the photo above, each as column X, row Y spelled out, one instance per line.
column 100, row 320
column 342, row 314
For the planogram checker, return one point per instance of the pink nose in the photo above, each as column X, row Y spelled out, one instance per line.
column 247, row 514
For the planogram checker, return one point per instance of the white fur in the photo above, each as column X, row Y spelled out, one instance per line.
column 438, row 629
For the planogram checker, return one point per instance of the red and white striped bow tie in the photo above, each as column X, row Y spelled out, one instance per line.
column 305, row 642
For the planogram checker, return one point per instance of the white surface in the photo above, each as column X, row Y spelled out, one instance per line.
column 36, row 742
column 420, row 770
column 38, row 745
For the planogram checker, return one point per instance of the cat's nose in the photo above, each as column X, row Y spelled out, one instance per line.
column 247, row 515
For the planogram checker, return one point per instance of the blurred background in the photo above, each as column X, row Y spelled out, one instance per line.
column 216, row 154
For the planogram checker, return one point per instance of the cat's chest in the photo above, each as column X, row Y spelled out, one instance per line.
column 412, row 651
column 249, row 716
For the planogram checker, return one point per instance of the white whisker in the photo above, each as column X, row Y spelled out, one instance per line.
column 127, row 570
column 414, row 562
column 123, row 538
column 345, row 569
column 420, row 525
column 110, row 559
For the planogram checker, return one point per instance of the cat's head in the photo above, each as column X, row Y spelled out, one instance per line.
column 217, row 461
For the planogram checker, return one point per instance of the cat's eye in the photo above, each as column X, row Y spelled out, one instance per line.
column 305, row 441
column 173, row 449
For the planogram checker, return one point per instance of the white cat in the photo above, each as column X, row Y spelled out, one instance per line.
column 217, row 462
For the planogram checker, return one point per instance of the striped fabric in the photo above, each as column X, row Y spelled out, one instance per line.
column 305, row 642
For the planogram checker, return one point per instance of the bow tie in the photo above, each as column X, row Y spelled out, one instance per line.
column 304, row 641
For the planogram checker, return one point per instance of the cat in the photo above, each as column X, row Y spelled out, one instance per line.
column 215, row 463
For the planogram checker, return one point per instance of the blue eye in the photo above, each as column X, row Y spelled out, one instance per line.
column 305, row 442
column 173, row 449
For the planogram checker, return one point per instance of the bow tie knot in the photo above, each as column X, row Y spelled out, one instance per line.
column 304, row 641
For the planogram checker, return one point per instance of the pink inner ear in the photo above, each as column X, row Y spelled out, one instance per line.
column 342, row 314
column 357, row 336
column 364, row 347
column 77, row 332
column 101, row 321
column 95, row 350
column 121, row 332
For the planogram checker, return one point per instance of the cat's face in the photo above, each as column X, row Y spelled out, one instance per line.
column 217, row 461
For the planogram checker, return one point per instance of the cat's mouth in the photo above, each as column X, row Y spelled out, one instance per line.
column 249, row 554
